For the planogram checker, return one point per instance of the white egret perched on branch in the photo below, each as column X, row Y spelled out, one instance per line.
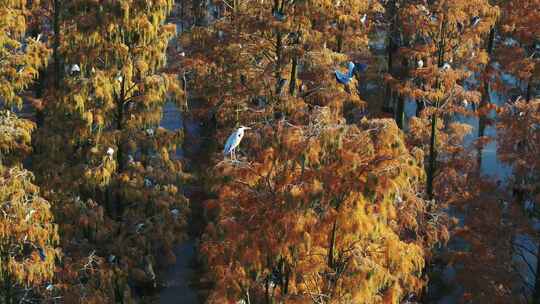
column 233, row 141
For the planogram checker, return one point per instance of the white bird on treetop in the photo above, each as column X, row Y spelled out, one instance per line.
column 75, row 68
column 233, row 141
column 420, row 63
column 110, row 151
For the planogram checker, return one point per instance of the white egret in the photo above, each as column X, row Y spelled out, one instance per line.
column 233, row 141
column 75, row 69
column 110, row 151
column 420, row 63
column 363, row 19
column 29, row 215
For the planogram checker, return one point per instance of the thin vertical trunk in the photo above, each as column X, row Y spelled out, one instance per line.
column 7, row 287
column 267, row 291
column 40, row 113
column 279, row 51
column 120, row 125
column 292, row 83
column 432, row 156
column 56, row 44
column 286, row 283
column 491, row 40
column 432, row 165
column 400, row 112
column 528, row 93
column 390, row 50
column 419, row 107
column 117, row 205
column 482, row 120
column 481, row 133
column 331, row 246
column 118, row 288
column 330, row 280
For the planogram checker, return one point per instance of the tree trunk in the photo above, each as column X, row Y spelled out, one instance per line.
column 400, row 112
column 482, row 120
column 528, row 93
column 117, row 203
column 331, row 246
column 481, row 132
column 432, row 156
column 56, row 44
column 267, row 291
column 330, row 279
column 419, row 107
column 292, row 83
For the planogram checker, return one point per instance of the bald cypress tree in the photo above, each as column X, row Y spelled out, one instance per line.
column 102, row 149
column 445, row 42
column 28, row 235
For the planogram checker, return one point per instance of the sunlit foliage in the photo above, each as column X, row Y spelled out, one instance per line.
column 318, row 217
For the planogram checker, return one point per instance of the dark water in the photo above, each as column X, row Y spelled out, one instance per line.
column 177, row 277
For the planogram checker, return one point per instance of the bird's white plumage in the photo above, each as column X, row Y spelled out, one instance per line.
column 420, row 63
column 234, row 140
column 75, row 68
